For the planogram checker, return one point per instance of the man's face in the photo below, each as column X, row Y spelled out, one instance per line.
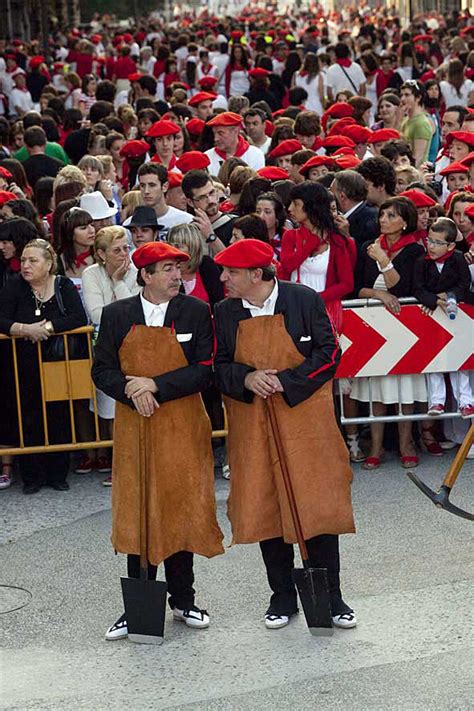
column 457, row 181
column 449, row 122
column 458, row 150
column 176, row 198
column 206, row 199
column 225, row 138
column 255, row 128
column 317, row 172
column 140, row 235
column 423, row 218
column 164, row 145
column 204, row 109
column 151, row 189
column 238, row 282
column 373, row 193
column 164, row 283
column 407, row 100
column 284, row 162
column 437, row 244
column 386, row 65
column 306, row 141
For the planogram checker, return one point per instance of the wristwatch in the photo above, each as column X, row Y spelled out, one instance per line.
column 212, row 237
column 49, row 327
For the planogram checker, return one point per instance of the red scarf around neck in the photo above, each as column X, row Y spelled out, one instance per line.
column 81, row 258
column 470, row 239
column 401, row 242
column 242, row 146
column 441, row 260
column 344, row 62
column 14, row 264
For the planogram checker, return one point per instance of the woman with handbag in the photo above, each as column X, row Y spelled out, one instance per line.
column 34, row 306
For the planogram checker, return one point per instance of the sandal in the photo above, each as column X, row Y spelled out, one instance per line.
column 430, row 443
column 373, row 462
column 409, row 461
column 355, row 452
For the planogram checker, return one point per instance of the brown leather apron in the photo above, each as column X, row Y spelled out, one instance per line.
column 317, row 458
column 181, row 508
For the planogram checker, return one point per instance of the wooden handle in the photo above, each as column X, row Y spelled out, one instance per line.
column 287, row 482
column 459, row 459
column 143, row 497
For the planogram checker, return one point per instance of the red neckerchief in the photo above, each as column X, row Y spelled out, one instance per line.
column 470, row 239
column 14, row 264
column 440, row 260
column 172, row 164
column 81, row 258
column 469, row 73
column 311, row 241
column 344, row 62
column 421, row 236
column 401, row 242
column 206, row 70
column 242, row 146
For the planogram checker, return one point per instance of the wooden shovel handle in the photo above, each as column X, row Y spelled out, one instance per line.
column 459, row 459
column 287, row 481
column 142, row 478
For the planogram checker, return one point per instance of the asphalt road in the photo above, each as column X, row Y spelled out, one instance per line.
column 408, row 573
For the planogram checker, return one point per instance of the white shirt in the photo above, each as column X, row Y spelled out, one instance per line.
column 253, row 157
column 22, row 100
column 313, row 271
column 99, row 290
column 172, row 217
column 268, row 308
column 450, row 94
column 337, row 80
column 353, row 209
column 154, row 314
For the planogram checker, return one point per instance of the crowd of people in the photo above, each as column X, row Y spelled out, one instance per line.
column 346, row 142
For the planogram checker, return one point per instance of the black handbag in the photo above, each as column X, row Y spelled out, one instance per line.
column 53, row 349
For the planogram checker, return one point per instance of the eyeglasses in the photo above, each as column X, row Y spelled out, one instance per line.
column 208, row 196
column 436, row 242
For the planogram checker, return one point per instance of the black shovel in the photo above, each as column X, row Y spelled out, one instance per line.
column 144, row 600
column 311, row 583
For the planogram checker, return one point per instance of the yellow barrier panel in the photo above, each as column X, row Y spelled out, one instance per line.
column 65, row 380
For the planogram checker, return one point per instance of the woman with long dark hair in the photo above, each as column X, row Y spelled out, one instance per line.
column 237, row 81
column 310, row 78
column 457, row 90
column 270, row 208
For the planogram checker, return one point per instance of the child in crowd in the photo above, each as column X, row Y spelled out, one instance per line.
column 442, row 270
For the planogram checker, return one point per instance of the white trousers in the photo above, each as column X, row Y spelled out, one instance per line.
column 460, row 383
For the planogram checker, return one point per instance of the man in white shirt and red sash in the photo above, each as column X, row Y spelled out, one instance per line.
column 229, row 142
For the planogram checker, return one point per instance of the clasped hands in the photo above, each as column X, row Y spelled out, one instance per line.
column 140, row 391
column 263, row 383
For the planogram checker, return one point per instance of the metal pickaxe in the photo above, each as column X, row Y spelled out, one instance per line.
column 441, row 498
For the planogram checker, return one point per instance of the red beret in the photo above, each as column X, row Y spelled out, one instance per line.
column 245, row 254
column 259, row 72
column 462, row 136
column 236, row 34
column 4, row 173
column 291, row 145
column 346, row 161
column 469, row 211
column 207, row 82
column 6, row 196
column 226, row 118
column 269, row 128
column 201, row 96
column 17, row 43
column 162, row 128
column 192, row 160
column 315, row 162
column 152, row 252
column 343, row 151
column 338, row 125
column 359, row 134
column 135, row 76
column 134, row 149
column 174, row 179
column 422, row 38
column 127, row 37
column 36, row 61
column 419, row 198
column 468, row 159
column 455, row 167
column 338, row 142
column 95, row 39
column 383, row 134
column 10, row 56
column 272, row 172
column 195, row 126
column 340, row 109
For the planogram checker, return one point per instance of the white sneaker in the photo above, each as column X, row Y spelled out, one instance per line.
column 194, row 617
column 345, row 621
column 119, row 629
column 470, row 454
column 274, row 622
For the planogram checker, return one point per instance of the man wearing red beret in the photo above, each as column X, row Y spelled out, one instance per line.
column 229, row 142
column 275, row 340
column 202, row 104
column 154, row 357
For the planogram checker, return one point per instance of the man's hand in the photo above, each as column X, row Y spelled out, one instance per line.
column 203, row 222
column 263, row 383
column 137, row 386
column 145, row 404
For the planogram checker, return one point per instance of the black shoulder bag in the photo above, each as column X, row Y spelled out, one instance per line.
column 53, row 348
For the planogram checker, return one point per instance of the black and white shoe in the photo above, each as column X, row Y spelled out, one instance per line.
column 274, row 622
column 119, row 629
column 346, row 620
column 193, row 617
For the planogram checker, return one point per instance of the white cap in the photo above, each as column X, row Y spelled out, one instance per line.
column 97, row 206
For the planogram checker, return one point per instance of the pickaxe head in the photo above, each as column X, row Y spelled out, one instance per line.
column 440, row 498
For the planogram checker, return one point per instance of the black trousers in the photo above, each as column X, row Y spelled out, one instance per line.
column 278, row 557
column 179, row 577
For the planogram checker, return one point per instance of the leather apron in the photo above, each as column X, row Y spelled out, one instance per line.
column 176, row 446
column 316, row 456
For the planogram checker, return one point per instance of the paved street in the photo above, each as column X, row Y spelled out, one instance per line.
column 408, row 573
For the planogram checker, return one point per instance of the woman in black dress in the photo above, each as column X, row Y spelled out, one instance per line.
column 29, row 309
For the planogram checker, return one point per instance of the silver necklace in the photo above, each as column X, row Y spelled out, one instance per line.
column 39, row 300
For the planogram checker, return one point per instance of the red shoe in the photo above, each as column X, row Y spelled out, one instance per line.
column 103, row 465
column 85, row 466
column 409, row 461
column 430, row 443
column 372, row 462
column 435, row 410
column 467, row 412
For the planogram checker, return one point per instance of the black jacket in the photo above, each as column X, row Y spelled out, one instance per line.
column 305, row 315
column 367, row 270
column 364, row 224
column 428, row 281
column 188, row 315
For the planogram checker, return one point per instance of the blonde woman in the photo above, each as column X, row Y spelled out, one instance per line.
column 93, row 171
column 200, row 275
column 111, row 278
column 130, row 201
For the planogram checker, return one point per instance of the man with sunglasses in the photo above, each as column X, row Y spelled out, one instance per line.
column 202, row 198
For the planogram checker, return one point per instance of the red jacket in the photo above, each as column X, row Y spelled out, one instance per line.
column 297, row 246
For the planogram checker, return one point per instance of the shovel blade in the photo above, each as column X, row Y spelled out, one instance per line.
column 145, row 607
column 313, row 591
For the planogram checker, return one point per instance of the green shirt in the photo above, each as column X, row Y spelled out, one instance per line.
column 53, row 150
column 418, row 127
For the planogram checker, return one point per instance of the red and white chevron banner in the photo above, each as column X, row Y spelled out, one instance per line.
column 376, row 342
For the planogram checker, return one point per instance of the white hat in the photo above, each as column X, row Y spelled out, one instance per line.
column 97, row 206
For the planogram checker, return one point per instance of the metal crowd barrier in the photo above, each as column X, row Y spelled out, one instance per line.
column 67, row 380
column 467, row 335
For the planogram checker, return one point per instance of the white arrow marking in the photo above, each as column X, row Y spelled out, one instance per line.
column 399, row 340
column 459, row 348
